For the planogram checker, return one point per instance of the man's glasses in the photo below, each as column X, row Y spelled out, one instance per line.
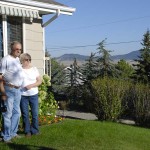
column 17, row 49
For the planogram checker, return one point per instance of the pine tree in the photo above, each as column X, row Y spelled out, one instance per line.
column 125, row 69
column 142, row 71
column 74, row 79
column 89, row 68
column 57, row 77
column 104, row 62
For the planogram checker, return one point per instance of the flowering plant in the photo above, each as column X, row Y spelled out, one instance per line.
column 49, row 119
column 47, row 103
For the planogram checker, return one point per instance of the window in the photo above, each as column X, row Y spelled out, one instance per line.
column 14, row 30
column 1, row 39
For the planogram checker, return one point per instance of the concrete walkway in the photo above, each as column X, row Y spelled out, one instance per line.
column 87, row 116
column 76, row 115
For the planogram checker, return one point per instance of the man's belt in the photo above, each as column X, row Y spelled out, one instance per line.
column 11, row 85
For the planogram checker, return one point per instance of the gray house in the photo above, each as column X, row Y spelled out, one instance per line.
column 21, row 20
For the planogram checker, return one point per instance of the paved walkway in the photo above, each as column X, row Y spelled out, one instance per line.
column 76, row 115
column 87, row 116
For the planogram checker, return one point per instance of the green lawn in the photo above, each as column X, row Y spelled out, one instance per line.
column 84, row 135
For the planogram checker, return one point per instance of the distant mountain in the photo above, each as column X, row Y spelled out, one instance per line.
column 68, row 59
column 71, row 57
column 130, row 56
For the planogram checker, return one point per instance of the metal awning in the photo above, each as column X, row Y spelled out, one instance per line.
column 20, row 12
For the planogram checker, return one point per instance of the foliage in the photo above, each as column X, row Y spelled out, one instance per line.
column 104, row 62
column 128, row 100
column 142, row 71
column 74, row 80
column 142, row 104
column 73, row 75
column 125, row 69
column 57, row 77
column 49, row 119
column 113, row 98
column 108, row 98
column 89, row 68
column 47, row 103
column 87, row 96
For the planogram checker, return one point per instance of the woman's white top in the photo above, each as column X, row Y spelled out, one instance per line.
column 30, row 76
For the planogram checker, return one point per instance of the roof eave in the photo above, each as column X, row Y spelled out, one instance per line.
column 45, row 8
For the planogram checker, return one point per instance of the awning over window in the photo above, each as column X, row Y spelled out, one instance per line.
column 20, row 12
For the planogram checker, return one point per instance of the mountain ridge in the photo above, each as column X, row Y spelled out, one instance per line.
column 68, row 59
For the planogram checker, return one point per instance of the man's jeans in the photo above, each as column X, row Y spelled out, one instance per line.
column 31, row 101
column 11, row 117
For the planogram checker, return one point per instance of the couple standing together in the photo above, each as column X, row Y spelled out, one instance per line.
column 21, row 81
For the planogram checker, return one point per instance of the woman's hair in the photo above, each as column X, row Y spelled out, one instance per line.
column 24, row 56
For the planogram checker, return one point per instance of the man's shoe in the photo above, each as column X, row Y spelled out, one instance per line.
column 28, row 135
column 17, row 137
column 1, row 139
column 7, row 142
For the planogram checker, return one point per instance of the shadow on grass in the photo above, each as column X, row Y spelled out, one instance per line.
column 14, row 146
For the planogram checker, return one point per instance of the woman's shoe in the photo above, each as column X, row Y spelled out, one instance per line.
column 28, row 135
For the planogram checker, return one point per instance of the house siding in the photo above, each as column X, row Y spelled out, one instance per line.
column 34, row 43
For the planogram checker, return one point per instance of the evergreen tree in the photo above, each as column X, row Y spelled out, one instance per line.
column 125, row 69
column 89, row 68
column 57, row 77
column 142, row 71
column 104, row 62
column 72, row 74
column 74, row 79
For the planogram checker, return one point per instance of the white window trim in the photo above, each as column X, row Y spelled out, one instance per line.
column 44, row 49
column 5, row 45
column 24, row 35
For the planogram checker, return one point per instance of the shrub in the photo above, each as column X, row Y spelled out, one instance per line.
column 142, row 104
column 87, row 97
column 108, row 98
column 47, row 102
column 128, row 101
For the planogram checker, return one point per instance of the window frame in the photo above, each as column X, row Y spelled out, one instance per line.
column 5, row 37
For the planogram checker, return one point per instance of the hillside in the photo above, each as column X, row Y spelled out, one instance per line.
column 68, row 59
column 71, row 57
column 130, row 56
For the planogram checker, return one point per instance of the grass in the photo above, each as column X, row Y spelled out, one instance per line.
column 84, row 135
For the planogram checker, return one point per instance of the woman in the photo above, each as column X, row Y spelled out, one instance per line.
column 29, row 96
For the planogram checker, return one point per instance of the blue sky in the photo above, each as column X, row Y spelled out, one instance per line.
column 122, row 22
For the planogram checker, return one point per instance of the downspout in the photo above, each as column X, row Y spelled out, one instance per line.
column 52, row 19
column 44, row 25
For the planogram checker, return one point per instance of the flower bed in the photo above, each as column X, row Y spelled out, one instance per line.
column 49, row 119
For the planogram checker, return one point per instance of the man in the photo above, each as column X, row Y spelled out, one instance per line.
column 11, row 70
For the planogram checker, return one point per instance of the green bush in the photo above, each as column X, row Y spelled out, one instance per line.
column 142, row 104
column 47, row 102
column 115, row 98
column 87, row 97
column 128, row 101
column 108, row 95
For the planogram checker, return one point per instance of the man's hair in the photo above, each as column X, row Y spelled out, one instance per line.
column 14, row 43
